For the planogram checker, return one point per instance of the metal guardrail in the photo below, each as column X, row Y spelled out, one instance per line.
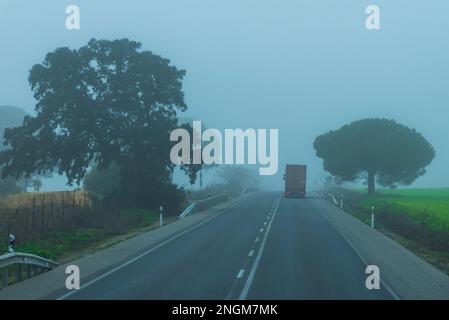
column 34, row 266
column 333, row 198
column 203, row 204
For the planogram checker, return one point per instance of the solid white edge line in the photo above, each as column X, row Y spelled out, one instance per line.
column 249, row 280
column 91, row 282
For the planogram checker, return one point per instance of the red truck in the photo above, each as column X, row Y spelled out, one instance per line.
column 295, row 181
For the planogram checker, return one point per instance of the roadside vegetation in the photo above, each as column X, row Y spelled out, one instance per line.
column 116, row 141
column 113, row 143
column 430, row 206
column 88, row 232
column 65, row 225
column 58, row 224
column 416, row 218
column 66, row 245
column 388, row 154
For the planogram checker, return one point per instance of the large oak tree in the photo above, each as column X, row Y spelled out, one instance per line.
column 379, row 150
column 109, row 101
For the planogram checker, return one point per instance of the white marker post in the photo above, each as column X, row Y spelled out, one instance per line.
column 341, row 201
column 11, row 242
column 161, row 216
column 372, row 217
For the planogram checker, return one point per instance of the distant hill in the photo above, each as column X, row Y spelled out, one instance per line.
column 10, row 117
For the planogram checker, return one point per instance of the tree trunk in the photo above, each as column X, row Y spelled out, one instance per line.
column 371, row 182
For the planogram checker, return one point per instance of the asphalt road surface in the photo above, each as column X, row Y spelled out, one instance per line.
column 266, row 247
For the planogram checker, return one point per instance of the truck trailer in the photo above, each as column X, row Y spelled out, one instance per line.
column 295, row 181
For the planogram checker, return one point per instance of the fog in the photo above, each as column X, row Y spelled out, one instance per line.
column 303, row 67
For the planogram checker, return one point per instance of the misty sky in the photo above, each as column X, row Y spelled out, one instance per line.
column 304, row 67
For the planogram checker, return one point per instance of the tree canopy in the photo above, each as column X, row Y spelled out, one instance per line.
column 109, row 101
column 10, row 117
column 378, row 150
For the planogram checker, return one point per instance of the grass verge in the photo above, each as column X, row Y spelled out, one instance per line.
column 416, row 218
column 63, row 245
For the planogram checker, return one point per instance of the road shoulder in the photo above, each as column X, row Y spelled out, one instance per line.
column 407, row 275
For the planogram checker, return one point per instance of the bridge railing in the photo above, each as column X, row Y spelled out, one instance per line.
column 20, row 266
column 203, row 204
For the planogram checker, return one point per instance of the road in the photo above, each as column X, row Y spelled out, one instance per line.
column 266, row 247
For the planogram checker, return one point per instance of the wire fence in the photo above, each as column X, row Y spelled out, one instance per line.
column 29, row 216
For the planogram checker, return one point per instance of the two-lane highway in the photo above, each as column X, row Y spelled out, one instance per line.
column 266, row 247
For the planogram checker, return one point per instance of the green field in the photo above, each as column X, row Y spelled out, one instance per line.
column 416, row 218
column 431, row 203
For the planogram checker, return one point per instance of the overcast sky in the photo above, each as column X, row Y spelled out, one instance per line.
column 304, row 67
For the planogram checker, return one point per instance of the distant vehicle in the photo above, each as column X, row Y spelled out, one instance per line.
column 295, row 181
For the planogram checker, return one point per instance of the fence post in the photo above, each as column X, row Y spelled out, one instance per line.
column 73, row 203
column 8, row 234
column 43, row 212
column 19, row 225
column 51, row 210
column 27, row 227
column 33, row 213
column 62, row 208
